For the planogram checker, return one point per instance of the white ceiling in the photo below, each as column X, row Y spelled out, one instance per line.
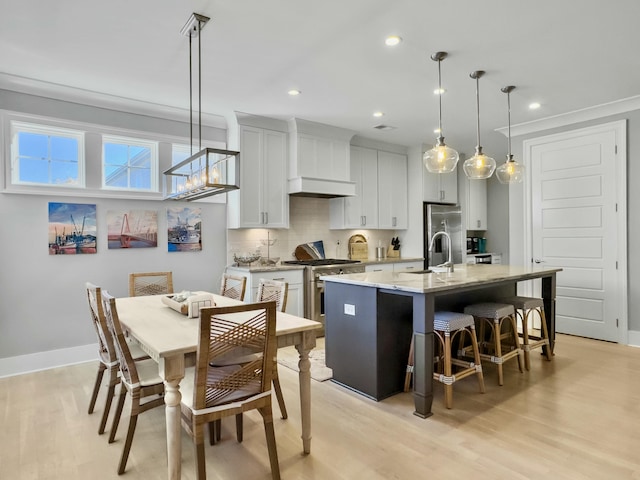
column 566, row 54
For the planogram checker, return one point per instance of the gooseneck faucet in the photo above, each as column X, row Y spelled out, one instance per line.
column 449, row 263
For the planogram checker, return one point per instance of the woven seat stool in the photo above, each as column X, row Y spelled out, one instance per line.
column 526, row 306
column 494, row 315
column 446, row 325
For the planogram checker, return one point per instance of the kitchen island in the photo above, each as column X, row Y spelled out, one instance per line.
column 371, row 318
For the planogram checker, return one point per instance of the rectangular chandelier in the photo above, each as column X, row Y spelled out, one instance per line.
column 211, row 171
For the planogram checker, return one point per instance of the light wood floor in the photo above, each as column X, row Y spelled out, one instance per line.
column 577, row 417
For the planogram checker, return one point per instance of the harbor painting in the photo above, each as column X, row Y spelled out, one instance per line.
column 72, row 228
column 184, row 225
column 132, row 229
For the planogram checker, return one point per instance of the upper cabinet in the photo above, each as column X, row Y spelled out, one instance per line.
column 392, row 191
column 381, row 192
column 473, row 200
column 319, row 160
column 360, row 210
column 262, row 200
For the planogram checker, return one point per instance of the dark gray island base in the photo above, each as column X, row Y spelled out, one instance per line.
column 370, row 318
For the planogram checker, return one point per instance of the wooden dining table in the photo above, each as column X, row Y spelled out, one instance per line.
column 170, row 338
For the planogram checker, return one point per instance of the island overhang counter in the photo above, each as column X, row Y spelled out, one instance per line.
column 371, row 317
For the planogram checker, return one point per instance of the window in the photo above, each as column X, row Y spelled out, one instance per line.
column 129, row 163
column 46, row 155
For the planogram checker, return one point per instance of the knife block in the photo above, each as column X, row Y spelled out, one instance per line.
column 391, row 253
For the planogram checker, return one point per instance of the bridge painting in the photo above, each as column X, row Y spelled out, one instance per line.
column 132, row 229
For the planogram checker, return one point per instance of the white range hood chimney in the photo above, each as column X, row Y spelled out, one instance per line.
column 319, row 162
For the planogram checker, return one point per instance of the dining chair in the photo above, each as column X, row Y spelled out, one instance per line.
column 150, row 283
column 233, row 286
column 106, row 353
column 212, row 393
column 139, row 378
column 274, row 290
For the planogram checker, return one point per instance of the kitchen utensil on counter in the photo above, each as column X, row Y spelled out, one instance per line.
column 381, row 253
column 268, row 242
column 310, row 251
column 358, row 247
column 394, row 250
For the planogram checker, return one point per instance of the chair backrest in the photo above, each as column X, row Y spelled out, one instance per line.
column 222, row 330
column 150, row 283
column 128, row 369
column 106, row 348
column 273, row 290
column 233, row 286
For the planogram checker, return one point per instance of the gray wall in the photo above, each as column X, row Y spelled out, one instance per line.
column 43, row 304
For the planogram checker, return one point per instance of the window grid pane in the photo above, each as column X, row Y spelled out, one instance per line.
column 45, row 155
column 128, row 164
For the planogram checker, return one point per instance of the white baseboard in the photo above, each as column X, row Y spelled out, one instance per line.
column 45, row 360
column 634, row 338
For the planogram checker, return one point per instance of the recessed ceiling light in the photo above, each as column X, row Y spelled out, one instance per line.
column 534, row 106
column 439, row 91
column 392, row 40
column 378, row 114
column 293, row 92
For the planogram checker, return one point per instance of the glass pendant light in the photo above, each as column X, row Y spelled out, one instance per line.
column 510, row 171
column 440, row 159
column 480, row 166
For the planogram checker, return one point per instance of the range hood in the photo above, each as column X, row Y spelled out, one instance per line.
column 319, row 162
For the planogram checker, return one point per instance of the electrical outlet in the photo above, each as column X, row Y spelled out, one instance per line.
column 349, row 309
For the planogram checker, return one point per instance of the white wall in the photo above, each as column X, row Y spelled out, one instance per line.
column 43, row 306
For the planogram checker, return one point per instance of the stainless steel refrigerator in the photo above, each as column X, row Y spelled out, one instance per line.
column 447, row 218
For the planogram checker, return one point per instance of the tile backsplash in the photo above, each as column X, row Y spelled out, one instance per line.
column 308, row 222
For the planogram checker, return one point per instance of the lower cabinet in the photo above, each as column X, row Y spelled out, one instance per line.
column 394, row 266
column 295, row 295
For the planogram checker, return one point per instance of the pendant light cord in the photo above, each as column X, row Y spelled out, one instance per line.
column 439, row 100
column 199, row 86
column 478, row 109
column 509, row 124
column 190, row 100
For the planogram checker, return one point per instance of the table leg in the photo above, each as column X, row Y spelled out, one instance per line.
column 172, row 372
column 304, row 378
column 549, row 297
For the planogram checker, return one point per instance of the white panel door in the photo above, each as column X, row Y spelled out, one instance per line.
column 575, row 227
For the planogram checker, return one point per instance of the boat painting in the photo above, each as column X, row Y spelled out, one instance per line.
column 68, row 234
column 184, row 225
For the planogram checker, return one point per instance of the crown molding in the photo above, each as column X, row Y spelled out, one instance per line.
column 570, row 118
column 81, row 96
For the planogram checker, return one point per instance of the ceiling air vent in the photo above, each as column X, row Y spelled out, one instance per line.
column 384, row 127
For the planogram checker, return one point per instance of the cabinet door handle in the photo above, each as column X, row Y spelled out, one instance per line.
column 261, row 218
column 266, row 218
column 393, row 221
column 441, row 194
column 280, row 279
column 478, row 223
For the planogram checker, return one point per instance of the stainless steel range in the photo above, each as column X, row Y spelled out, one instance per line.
column 314, row 287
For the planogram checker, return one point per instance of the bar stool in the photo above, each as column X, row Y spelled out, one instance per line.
column 446, row 326
column 524, row 307
column 494, row 314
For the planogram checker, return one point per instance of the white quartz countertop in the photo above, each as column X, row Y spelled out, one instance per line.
column 464, row 275
column 274, row 268
column 264, row 268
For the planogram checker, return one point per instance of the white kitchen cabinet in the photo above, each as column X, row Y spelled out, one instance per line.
column 379, row 267
column 381, row 200
column 392, row 191
column 324, row 158
column 262, row 200
column 294, row 279
column 473, row 199
column 408, row 266
column 361, row 210
column 439, row 187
